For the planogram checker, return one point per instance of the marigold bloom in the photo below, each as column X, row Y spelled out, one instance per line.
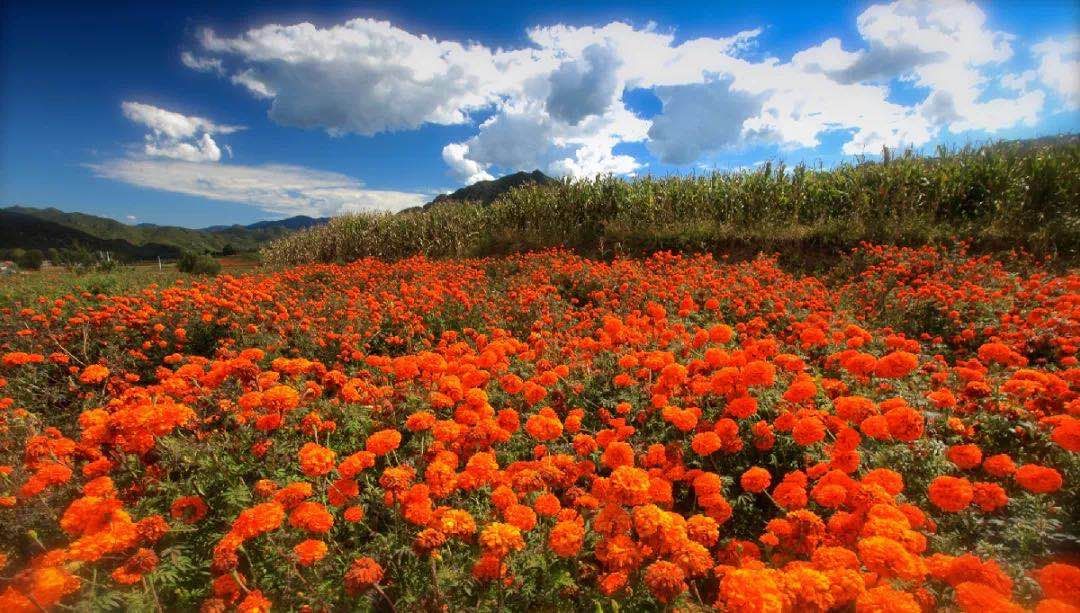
column 665, row 580
column 950, row 493
column 566, row 538
column 312, row 517
column 189, row 509
column 1038, row 479
column 978, row 598
column 965, row 456
column 362, row 574
column 1060, row 582
column 630, row 485
column 383, row 442
column 93, row 374
column 499, row 539
column 896, row 365
column 755, row 479
column 316, row 460
column 309, row 551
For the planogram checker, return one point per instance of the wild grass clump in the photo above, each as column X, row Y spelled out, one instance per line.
column 1002, row 196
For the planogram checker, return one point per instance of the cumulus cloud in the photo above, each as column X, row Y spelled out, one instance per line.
column 584, row 87
column 557, row 102
column 699, row 118
column 279, row 188
column 1059, row 67
column 456, row 156
column 177, row 136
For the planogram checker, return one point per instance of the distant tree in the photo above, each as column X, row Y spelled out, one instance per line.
column 228, row 250
column 199, row 264
column 31, row 259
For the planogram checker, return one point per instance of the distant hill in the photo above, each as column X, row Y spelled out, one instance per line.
column 33, row 228
column 485, row 192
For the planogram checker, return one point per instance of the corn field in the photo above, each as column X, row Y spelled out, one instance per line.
column 1002, row 196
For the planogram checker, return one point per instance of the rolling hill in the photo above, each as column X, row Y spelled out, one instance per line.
column 34, row 228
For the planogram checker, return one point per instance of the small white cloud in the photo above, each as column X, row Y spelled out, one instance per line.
column 279, row 188
column 202, row 64
column 177, row 136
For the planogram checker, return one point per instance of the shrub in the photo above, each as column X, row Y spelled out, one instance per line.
column 31, row 259
column 199, row 264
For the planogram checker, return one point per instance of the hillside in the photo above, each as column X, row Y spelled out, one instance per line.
column 485, row 192
column 1000, row 196
column 34, row 228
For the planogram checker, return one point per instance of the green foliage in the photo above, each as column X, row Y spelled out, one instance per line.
column 1000, row 196
column 199, row 264
column 31, row 259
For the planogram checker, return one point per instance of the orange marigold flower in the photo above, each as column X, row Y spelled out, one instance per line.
column 383, row 442
column 755, row 479
column 1060, row 582
column 808, row 430
column 93, row 374
column 951, row 493
column 309, row 551
column 886, row 599
column 905, row 424
column 258, row 519
column 965, row 456
column 896, row 365
column 665, row 580
column 188, row 509
column 1066, row 433
column 362, row 574
column 316, row 460
column 617, row 454
column 752, row 589
column 630, row 485
column 1038, row 479
column 500, row 539
column 989, row 496
column 1000, row 465
column 978, row 598
column 312, row 517
column 566, row 538
column 544, row 426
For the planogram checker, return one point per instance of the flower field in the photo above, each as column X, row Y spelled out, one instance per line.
column 544, row 431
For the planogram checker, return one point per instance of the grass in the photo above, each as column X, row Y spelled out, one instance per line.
column 1001, row 196
column 28, row 287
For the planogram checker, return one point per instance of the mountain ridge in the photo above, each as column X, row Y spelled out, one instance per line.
column 23, row 227
column 485, row 192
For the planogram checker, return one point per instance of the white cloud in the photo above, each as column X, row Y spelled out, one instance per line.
column 556, row 104
column 363, row 76
column 586, row 86
column 279, row 188
column 177, row 136
column 699, row 118
column 1059, row 67
column 202, row 64
column 466, row 170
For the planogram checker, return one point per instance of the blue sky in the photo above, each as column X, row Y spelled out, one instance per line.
column 205, row 113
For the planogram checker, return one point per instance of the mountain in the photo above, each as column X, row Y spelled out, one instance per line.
column 33, row 228
column 485, row 192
